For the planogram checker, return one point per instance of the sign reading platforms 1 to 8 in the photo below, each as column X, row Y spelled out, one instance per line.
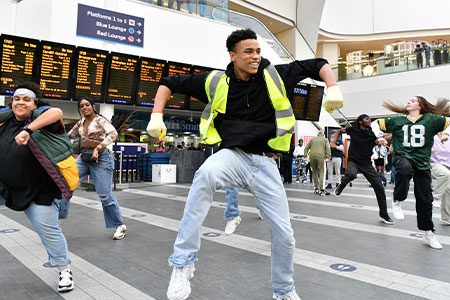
column 90, row 73
column 18, row 62
column 109, row 25
column 56, row 65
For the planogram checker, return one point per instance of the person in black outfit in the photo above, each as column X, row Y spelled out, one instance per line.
column 359, row 154
column 286, row 164
column 247, row 107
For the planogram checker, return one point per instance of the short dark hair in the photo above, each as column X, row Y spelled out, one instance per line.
column 34, row 87
column 239, row 35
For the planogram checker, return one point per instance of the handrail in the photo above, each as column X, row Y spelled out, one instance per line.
column 388, row 64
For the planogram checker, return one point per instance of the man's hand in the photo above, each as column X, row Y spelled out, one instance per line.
column 156, row 126
column 335, row 100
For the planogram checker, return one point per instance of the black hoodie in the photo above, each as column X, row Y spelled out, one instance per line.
column 249, row 120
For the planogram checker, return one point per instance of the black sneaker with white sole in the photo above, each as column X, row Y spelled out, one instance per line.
column 338, row 190
column 324, row 193
column 65, row 281
column 386, row 220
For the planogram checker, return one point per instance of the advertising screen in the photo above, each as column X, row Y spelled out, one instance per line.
column 90, row 73
column 56, row 64
column 150, row 73
column 307, row 101
column 194, row 103
column 121, row 78
column 18, row 62
column 174, row 69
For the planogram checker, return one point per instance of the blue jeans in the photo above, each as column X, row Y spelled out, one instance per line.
column 44, row 219
column 232, row 197
column 259, row 175
column 102, row 174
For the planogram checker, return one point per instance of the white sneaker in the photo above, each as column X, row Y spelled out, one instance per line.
column 179, row 285
column 259, row 213
column 397, row 210
column 436, row 204
column 120, row 232
column 232, row 224
column 431, row 240
column 289, row 296
column 65, row 281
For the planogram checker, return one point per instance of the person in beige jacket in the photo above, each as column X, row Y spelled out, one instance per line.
column 319, row 151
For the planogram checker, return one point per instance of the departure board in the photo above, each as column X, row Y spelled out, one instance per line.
column 194, row 103
column 121, row 78
column 18, row 62
column 90, row 73
column 57, row 61
column 307, row 101
column 150, row 73
column 176, row 69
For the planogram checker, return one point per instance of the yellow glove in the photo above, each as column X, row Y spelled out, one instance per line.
column 334, row 100
column 156, row 126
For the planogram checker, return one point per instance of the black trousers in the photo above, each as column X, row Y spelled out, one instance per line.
column 372, row 177
column 422, row 190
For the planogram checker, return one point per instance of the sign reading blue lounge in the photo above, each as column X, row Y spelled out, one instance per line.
column 108, row 25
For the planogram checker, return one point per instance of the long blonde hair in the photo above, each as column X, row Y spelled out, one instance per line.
column 442, row 106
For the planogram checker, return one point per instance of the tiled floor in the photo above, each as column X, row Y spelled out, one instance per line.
column 342, row 251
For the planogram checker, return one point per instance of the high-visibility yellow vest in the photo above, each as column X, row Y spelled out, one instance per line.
column 216, row 86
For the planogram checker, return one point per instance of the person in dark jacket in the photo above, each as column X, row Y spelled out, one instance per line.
column 30, row 188
column 249, row 114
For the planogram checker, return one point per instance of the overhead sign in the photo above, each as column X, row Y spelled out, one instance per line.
column 109, row 25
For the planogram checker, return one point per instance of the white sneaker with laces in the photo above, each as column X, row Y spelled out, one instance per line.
column 397, row 210
column 431, row 240
column 232, row 224
column 120, row 232
column 179, row 285
column 65, row 281
column 289, row 296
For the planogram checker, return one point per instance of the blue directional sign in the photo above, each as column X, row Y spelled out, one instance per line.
column 108, row 25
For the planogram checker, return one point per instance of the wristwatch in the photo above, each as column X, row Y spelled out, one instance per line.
column 25, row 128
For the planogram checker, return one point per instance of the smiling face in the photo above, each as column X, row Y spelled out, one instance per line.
column 21, row 106
column 85, row 108
column 413, row 105
column 246, row 57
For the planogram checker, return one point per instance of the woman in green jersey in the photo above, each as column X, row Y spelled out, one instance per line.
column 412, row 140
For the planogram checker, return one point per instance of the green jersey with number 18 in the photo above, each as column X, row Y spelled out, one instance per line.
column 414, row 139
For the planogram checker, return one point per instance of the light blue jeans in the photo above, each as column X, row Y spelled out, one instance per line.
column 232, row 197
column 44, row 219
column 102, row 174
column 259, row 175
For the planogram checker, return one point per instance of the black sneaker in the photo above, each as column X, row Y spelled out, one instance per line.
column 386, row 220
column 337, row 184
column 329, row 186
column 316, row 191
column 324, row 193
column 338, row 190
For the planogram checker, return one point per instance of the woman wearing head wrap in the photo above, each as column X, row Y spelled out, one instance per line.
column 29, row 186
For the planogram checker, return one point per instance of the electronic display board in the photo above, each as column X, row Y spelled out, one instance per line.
column 194, row 103
column 90, row 73
column 150, row 73
column 307, row 101
column 176, row 69
column 56, row 64
column 18, row 62
column 121, row 78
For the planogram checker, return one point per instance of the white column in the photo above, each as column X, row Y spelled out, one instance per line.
column 331, row 52
column 2, row 100
column 107, row 110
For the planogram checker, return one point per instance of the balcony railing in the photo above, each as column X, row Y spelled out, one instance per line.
column 388, row 64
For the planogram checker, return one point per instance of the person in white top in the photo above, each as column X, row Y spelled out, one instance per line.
column 300, row 162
